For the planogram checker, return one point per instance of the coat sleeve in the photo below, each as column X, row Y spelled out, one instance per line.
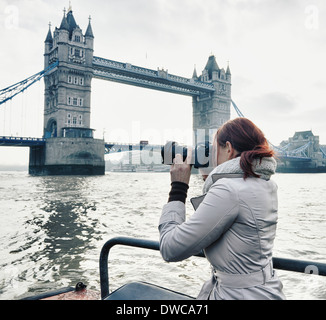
column 180, row 239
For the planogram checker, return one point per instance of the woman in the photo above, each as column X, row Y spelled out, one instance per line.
column 234, row 222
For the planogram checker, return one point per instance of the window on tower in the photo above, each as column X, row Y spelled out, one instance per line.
column 69, row 119
column 76, row 80
column 73, row 101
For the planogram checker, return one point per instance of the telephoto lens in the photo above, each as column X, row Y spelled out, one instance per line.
column 170, row 149
column 201, row 154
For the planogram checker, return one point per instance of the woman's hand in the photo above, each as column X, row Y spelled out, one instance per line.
column 181, row 171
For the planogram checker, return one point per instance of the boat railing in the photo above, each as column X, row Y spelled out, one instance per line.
column 308, row 267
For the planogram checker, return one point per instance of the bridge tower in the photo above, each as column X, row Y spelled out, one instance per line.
column 211, row 110
column 70, row 146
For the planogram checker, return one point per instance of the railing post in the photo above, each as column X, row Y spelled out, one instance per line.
column 278, row 263
column 104, row 272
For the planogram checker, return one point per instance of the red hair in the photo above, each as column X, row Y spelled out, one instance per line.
column 246, row 138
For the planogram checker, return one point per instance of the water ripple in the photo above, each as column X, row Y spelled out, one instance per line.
column 53, row 229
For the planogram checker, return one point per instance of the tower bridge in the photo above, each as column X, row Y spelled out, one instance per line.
column 70, row 66
column 68, row 146
column 301, row 153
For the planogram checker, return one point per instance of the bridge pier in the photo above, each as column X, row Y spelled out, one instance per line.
column 68, row 156
column 36, row 159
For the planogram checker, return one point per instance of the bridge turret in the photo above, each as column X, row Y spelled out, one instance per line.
column 49, row 38
column 194, row 75
column 48, row 44
column 228, row 74
column 62, row 34
column 211, row 110
column 68, row 87
column 64, row 23
column 89, row 32
column 89, row 43
column 211, row 70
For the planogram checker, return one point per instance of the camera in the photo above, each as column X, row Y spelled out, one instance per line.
column 201, row 153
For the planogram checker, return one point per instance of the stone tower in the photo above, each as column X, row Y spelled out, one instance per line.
column 70, row 147
column 210, row 111
column 68, row 87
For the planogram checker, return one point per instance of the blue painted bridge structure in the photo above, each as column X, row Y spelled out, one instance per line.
column 21, row 142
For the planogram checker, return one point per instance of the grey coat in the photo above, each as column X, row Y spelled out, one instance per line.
column 235, row 225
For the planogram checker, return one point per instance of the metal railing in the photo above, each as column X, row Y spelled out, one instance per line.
column 308, row 267
column 20, row 141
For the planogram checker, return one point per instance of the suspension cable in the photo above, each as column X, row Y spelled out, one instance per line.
column 240, row 114
column 21, row 86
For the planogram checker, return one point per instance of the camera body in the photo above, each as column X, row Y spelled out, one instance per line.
column 201, row 153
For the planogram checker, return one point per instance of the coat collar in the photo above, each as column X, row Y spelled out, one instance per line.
column 231, row 169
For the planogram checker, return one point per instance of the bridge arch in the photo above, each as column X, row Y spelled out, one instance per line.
column 51, row 129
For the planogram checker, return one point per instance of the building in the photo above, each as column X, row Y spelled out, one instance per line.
column 212, row 110
column 70, row 147
column 68, row 88
column 302, row 153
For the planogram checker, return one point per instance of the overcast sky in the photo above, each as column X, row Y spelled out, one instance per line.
column 275, row 48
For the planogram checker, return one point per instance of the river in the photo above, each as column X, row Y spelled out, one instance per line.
column 53, row 228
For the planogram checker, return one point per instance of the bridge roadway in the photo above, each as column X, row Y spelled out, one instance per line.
column 21, row 142
column 109, row 147
column 152, row 79
column 114, row 148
